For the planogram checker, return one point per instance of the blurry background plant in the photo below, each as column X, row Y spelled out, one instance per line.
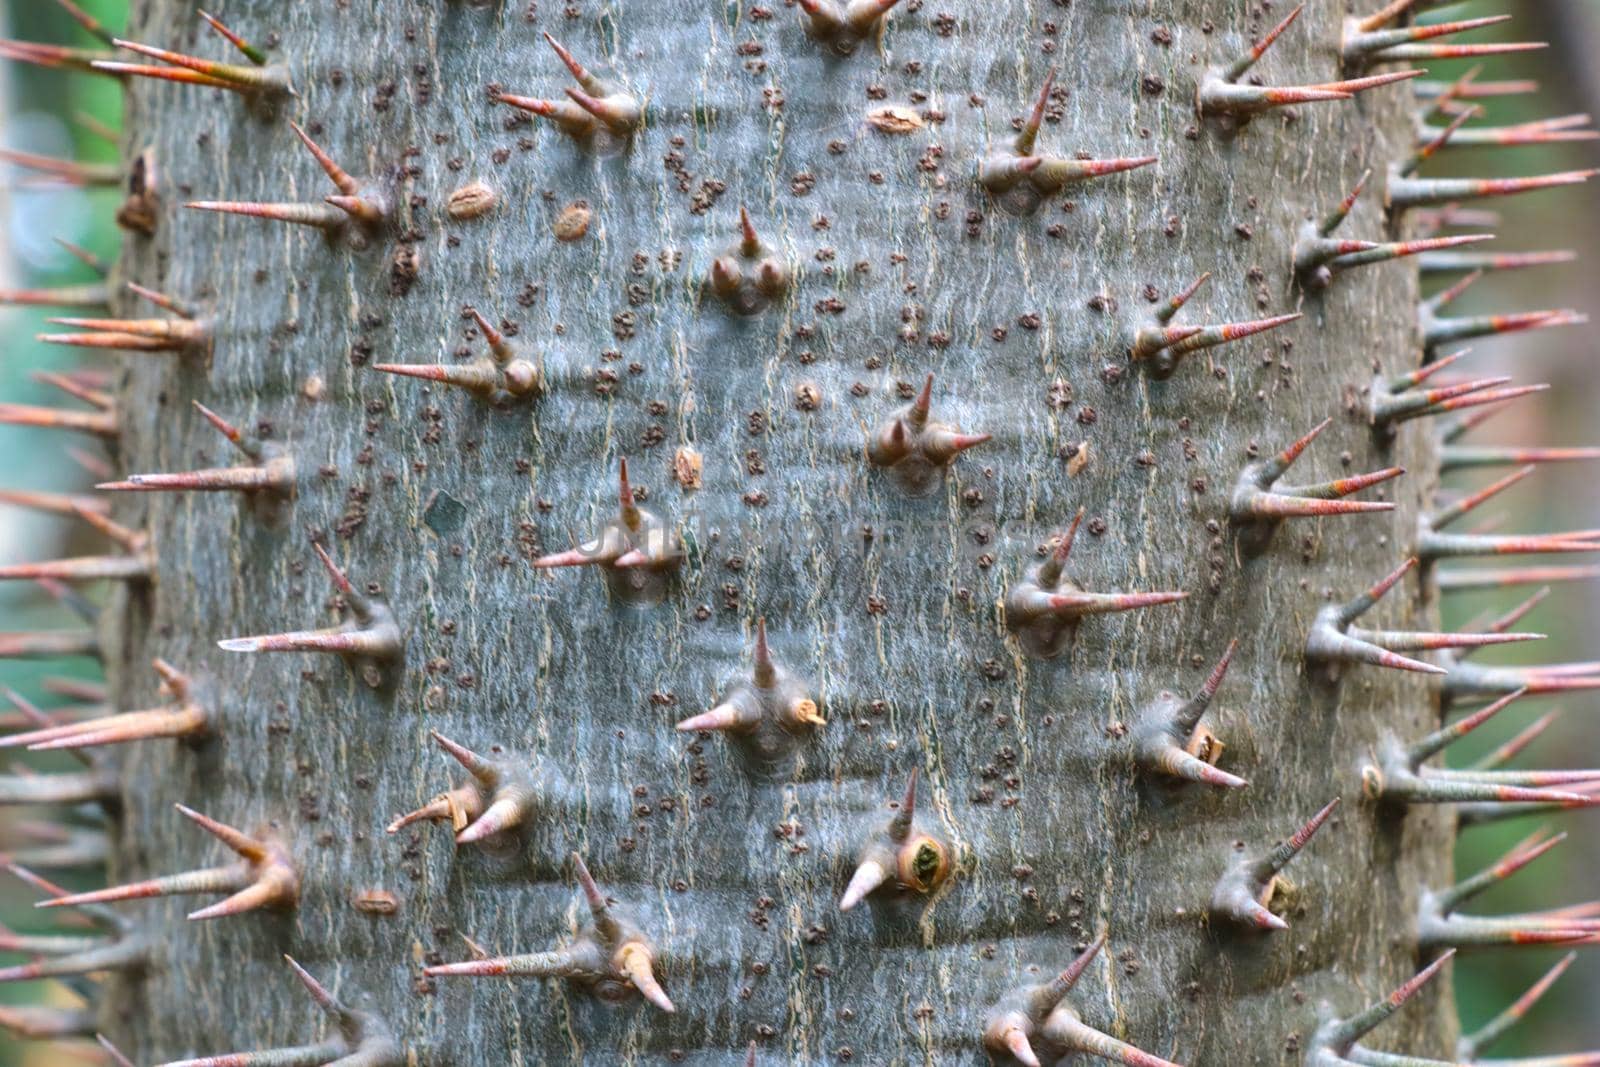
column 65, row 116
column 58, row 114
column 1558, row 496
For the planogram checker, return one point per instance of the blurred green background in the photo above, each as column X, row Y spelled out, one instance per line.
column 62, row 114
column 65, row 115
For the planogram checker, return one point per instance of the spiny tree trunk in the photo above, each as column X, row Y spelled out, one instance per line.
column 888, row 608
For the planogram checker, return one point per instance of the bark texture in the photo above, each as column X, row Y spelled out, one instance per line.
column 888, row 605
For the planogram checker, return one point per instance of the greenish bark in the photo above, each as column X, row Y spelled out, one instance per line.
column 888, row 606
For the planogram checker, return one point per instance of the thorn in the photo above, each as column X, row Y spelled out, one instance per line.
column 1164, row 348
column 99, row 423
column 358, row 207
column 500, row 796
column 53, row 503
column 916, row 447
column 1029, row 135
column 1259, row 49
column 94, row 786
column 502, row 375
column 1396, row 779
column 358, row 1038
column 54, row 56
column 918, row 862
column 160, row 334
column 266, row 877
column 1528, row 133
column 1015, row 1019
column 1051, row 174
column 129, row 568
column 1168, row 739
column 117, row 342
column 322, row 216
column 1387, row 14
column 1471, row 501
column 1519, row 856
column 1435, row 545
column 1449, row 102
column 1257, row 500
column 82, row 689
column 370, row 631
column 1428, row 370
column 1429, row 52
column 499, row 347
column 609, row 949
column 726, row 278
column 1222, row 97
column 1459, row 579
column 84, row 256
column 87, row 296
column 1211, row 336
column 750, row 241
column 1245, row 890
column 1459, row 457
column 41, row 1023
column 336, row 174
column 475, row 377
column 1382, row 46
column 59, row 848
column 636, row 541
column 171, row 74
column 48, row 644
column 230, row 75
column 769, row 712
column 1044, row 608
column 1173, row 304
column 86, row 20
column 76, row 387
column 1332, row 639
column 1470, row 1046
column 67, row 170
column 277, row 478
column 1393, row 403
column 1437, row 331
column 748, row 275
column 1399, row 249
column 185, row 718
column 1406, row 193
column 163, row 301
column 1003, row 169
column 1467, row 680
column 124, row 954
column 1479, row 399
column 459, row 806
column 1067, row 1031
column 1338, row 1036
column 1422, row 750
column 1450, row 262
column 117, row 1058
column 1514, row 747
column 599, row 104
column 845, row 27
column 252, row 53
column 1476, row 90
column 1440, row 925
column 868, row 876
column 572, row 119
column 1176, row 762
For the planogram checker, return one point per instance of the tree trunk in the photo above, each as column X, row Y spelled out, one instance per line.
column 889, row 609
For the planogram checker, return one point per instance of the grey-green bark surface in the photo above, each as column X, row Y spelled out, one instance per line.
column 903, row 266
